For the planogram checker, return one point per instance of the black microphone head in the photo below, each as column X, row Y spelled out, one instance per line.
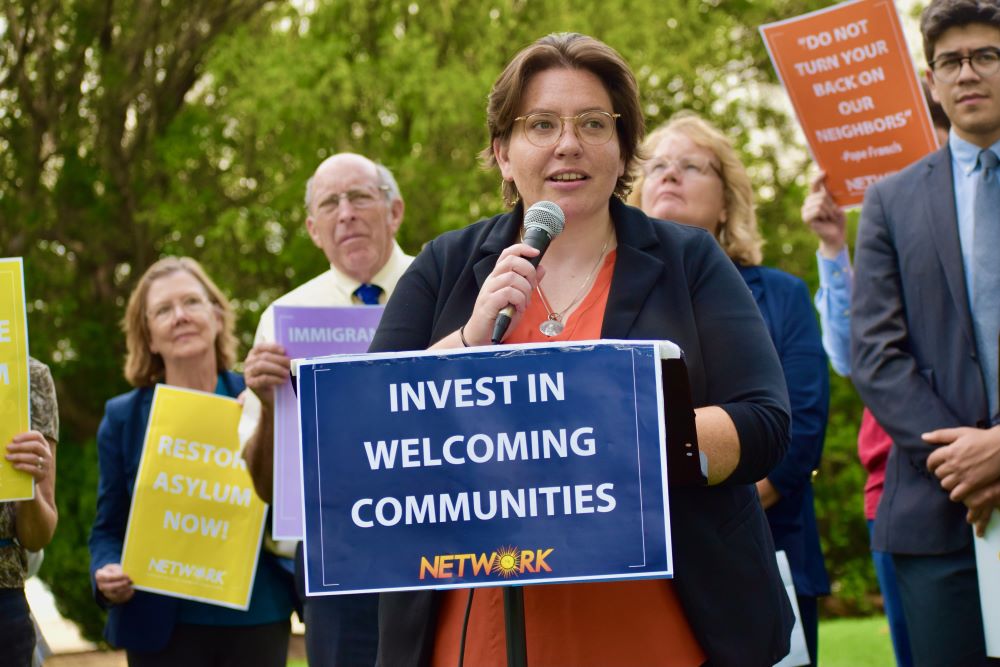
column 547, row 216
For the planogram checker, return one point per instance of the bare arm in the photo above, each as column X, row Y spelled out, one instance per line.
column 266, row 367
column 769, row 495
column 718, row 440
column 259, row 454
column 36, row 519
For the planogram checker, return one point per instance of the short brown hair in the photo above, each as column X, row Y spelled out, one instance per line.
column 738, row 235
column 567, row 50
column 143, row 367
column 941, row 15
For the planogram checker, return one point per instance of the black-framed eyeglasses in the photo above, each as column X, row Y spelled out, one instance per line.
column 592, row 127
column 985, row 62
column 357, row 198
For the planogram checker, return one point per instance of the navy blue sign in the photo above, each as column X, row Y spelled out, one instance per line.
column 521, row 464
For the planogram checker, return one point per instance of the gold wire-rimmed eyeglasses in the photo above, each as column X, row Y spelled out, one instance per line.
column 592, row 127
column 192, row 304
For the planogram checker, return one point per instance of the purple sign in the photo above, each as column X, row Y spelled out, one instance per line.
column 307, row 331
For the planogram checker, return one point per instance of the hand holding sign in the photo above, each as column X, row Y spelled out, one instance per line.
column 15, row 483
column 195, row 525
column 304, row 331
column 267, row 367
column 30, row 453
column 114, row 584
column 855, row 92
column 825, row 217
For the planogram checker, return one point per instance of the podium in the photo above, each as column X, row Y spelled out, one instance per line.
column 685, row 467
column 538, row 463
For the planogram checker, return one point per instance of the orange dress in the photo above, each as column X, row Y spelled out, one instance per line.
column 622, row 623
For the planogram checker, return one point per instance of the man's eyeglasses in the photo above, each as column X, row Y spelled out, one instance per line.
column 985, row 62
column 191, row 305
column 592, row 127
column 356, row 198
column 686, row 166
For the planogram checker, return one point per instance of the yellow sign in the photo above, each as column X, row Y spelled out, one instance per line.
column 195, row 526
column 15, row 407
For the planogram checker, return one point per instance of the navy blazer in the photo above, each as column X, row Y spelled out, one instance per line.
column 788, row 313
column 146, row 622
column 670, row 282
column 913, row 350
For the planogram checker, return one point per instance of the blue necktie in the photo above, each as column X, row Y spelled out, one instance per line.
column 986, row 275
column 368, row 294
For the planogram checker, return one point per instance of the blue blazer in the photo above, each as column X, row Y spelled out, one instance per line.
column 146, row 622
column 913, row 350
column 670, row 282
column 788, row 313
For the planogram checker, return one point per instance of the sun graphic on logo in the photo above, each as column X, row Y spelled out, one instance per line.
column 508, row 562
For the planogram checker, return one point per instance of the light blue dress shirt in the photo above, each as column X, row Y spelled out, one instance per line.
column 965, row 174
column 833, row 299
column 833, row 302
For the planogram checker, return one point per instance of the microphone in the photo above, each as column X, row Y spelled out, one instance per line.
column 542, row 222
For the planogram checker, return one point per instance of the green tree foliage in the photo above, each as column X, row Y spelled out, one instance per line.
column 87, row 89
column 132, row 130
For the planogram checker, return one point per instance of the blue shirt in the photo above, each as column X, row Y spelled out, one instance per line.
column 833, row 301
column 965, row 174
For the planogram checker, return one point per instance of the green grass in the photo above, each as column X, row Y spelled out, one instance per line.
column 848, row 642
column 855, row 642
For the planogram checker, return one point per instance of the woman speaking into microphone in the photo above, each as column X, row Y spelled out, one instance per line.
column 565, row 126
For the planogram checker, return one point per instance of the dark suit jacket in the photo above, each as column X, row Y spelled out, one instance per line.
column 788, row 313
column 913, row 351
column 146, row 622
column 670, row 282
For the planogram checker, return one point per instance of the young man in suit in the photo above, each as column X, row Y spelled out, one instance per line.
column 925, row 322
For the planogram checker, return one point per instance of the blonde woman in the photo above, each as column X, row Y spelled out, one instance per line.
column 692, row 174
column 179, row 331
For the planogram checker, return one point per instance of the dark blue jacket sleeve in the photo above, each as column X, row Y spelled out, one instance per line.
column 741, row 369
column 804, row 364
column 108, row 532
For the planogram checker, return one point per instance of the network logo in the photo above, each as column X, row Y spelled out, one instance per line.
column 504, row 562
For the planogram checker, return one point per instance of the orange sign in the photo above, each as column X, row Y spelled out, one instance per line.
column 855, row 91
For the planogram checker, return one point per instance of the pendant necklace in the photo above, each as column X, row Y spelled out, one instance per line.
column 553, row 324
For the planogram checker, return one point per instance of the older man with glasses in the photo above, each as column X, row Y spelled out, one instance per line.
column 925, row 323
column 354, row 210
